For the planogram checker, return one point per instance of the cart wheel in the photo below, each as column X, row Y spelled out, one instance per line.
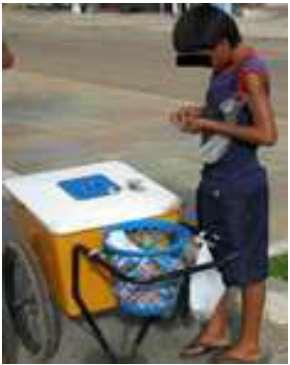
column 9, row 337
column 34, row 315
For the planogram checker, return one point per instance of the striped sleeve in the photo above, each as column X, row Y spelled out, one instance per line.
column 257, row 66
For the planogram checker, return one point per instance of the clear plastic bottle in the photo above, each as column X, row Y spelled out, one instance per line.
column 216, row 146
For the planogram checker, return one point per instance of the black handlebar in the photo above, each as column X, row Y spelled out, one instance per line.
column 96, row 258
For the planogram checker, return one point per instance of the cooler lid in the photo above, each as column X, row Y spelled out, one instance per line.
column 92, row 196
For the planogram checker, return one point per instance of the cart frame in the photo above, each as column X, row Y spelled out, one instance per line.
column 94, row 257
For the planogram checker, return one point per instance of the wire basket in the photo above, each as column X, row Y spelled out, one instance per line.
column 156, row 299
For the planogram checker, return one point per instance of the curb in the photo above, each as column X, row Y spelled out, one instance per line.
column 276, row 308
column 279, row 248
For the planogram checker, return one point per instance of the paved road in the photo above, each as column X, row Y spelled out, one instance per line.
column 86, row 91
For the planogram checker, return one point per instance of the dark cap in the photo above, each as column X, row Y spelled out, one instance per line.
column 199, row 29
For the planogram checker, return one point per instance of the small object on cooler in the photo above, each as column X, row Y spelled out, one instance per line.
column 136, row 185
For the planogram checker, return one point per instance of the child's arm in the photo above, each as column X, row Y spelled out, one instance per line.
column 262, row 132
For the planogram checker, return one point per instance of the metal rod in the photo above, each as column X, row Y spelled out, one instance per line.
column 95, row 257
column 79, row 251
column 141, row 335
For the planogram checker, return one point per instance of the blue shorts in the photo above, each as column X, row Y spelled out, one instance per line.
column 237, row 209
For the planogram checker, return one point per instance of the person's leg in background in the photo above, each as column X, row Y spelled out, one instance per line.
column 226, row 7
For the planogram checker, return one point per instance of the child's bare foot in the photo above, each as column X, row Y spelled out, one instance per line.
column 239, row 354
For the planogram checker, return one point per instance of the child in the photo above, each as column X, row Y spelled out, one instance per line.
column 233, row 195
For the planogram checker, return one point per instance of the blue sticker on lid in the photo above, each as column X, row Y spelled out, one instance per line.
column 89, row 187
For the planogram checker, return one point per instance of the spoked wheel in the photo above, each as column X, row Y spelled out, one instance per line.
column 34, row 316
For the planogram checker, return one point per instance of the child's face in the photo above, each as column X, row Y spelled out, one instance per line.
column 221, row 55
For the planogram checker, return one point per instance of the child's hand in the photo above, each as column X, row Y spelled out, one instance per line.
column 191, row 110
column 174, row 118
column 186, row 119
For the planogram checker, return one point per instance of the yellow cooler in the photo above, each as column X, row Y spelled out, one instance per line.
column 56, row 210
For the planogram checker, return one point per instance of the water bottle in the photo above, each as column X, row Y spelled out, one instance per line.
column 216, row 146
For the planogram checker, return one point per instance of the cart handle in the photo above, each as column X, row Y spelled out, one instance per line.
column 95, row 257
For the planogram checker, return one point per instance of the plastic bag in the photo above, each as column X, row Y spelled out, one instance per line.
column 206, row 287
column 217, row 146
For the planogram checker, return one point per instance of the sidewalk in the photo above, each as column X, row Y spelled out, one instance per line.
column 264, row 25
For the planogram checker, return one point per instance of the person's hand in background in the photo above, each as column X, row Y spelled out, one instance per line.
column 7, row 57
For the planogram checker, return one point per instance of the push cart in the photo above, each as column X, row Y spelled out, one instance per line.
column 61, row 265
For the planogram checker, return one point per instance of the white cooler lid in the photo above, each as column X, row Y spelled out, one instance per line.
column 68, row 200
